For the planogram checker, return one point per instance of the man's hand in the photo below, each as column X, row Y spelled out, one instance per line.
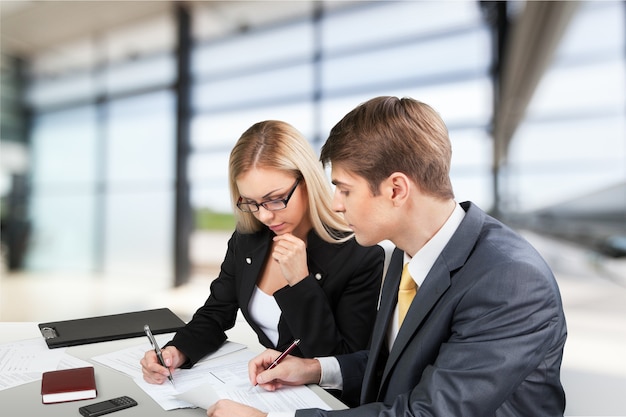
column 290, row 371
column 228, row 408
column 153, row 372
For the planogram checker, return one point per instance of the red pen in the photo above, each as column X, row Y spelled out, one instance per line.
column 285, row 353
column 281, row 357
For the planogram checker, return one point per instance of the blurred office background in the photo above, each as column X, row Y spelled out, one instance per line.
column 118, row 117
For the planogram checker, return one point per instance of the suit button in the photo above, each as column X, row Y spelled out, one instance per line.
column 318, row 276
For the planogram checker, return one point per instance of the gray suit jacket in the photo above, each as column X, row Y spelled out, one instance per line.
column 484, row 335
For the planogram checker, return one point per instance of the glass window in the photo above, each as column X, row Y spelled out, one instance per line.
column 62, row 234
column 139, row 236
column 45, row 93
column 418, row 62
column 221, row 130
column 583, row 37
column 258, row 88
column 156, row 71
column 572, row 140
column 60, row 137
column 585, row 89
column 384, row 21
column 139, row 220
column 63, row 195
column 254, row 49
column 209, row 171
column 555, row 162
column 141, row 143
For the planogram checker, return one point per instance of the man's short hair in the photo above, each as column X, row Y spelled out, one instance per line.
column 388, row 134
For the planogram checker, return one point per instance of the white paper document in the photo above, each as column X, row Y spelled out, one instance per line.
column 223, row 374
column 127, row 362
column 184, row 380
column 231, row 382
column 284, row 399
column 25, row 361
column 231, row 369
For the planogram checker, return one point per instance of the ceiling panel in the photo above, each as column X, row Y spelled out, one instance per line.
column 29, row 27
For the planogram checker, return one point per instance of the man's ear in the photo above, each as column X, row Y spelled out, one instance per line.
column 399, row 187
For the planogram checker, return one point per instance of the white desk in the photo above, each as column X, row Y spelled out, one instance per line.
column 25, row 400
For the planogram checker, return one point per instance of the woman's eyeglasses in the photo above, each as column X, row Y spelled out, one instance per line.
column 271, row 205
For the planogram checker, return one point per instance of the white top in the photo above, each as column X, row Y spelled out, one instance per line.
column 265, row 312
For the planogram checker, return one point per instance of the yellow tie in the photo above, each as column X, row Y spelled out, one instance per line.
column 406, row 292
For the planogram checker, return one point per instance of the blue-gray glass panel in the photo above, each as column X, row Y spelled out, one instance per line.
column 141, row 141
column 157, row 71
column 256, row 48
column 139, row 235
column 221, row 130
column 64, row 148
column 262, row 87
column 45, row 93
column 369, row 25
column 62, row 232
column 439, row 61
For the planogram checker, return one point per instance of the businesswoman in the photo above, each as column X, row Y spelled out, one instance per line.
column 292, row 266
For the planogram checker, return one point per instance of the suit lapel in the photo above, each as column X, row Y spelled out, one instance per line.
column 377, row 357
column 388, row 302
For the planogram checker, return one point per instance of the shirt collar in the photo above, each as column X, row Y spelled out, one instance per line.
column 421, row 263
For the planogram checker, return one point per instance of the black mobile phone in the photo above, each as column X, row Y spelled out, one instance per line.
column 106, row 407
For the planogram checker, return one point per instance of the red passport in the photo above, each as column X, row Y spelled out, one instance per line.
column 68, row 385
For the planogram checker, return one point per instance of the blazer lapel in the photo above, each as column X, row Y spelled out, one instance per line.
column 253, row 261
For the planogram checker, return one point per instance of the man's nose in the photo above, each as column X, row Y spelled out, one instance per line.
column 337, row 203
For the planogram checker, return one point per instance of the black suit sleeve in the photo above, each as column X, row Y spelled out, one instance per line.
column 205, row 333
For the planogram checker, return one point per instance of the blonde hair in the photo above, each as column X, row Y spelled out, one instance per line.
column 278, row 145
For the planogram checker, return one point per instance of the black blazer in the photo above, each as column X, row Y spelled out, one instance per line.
column 332, row 310
column 483, row 336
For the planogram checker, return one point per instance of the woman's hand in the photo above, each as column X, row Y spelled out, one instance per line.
column 153, row 372
column 290, row 253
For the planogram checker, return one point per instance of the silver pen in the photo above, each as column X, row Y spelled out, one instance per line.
column 158, row 352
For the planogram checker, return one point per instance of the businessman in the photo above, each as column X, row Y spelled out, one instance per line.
column 481, row 331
